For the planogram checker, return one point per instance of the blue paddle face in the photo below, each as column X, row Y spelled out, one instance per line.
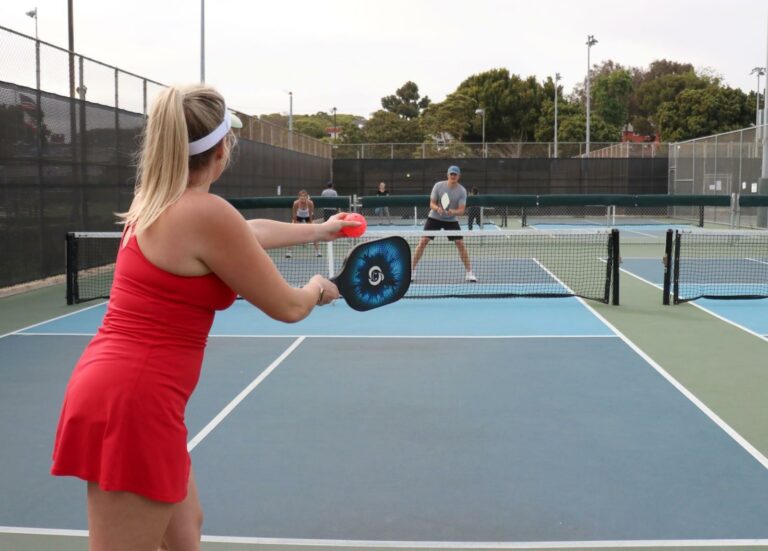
column 375, row 273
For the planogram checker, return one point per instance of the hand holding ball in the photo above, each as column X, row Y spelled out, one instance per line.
column 354, row 231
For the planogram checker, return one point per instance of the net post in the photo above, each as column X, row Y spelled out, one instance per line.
column 667, row 272
column 329, row 252
column 70, row 257
column 676, row 268
column 523, row 217
column 615, row 267
column 701, row 216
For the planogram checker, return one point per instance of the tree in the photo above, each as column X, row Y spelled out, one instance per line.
column 311, row 126
column 511, row 105
column 387, row 127
column 704, row 111
column 611, row 94
column 406, row 102
column 452, row 116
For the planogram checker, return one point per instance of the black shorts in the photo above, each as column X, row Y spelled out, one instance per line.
column 302, row 219
column 433, row 224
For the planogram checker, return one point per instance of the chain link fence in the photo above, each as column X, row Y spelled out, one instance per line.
column 68, row 140
column 723, row 164
column 496, row 150
column 31, row 63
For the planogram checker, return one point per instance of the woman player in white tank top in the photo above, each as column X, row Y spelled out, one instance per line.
column 303, row 212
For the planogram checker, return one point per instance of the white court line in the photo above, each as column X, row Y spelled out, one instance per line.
column 489, row 544
column 52, row 319
column 33, row 334
column 423, row 336
column 702, row 308
column 756, row 260
column 292, row 336
column 240, row 397
column 624, row 230
column 725, row 427
column 394, row 544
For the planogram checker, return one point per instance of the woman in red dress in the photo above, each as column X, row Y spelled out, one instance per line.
column 185, row 253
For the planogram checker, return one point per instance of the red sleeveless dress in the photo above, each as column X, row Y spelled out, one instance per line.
column 122, row 421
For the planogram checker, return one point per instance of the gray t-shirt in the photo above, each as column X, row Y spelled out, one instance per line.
column 456, row 194
column 329, row 192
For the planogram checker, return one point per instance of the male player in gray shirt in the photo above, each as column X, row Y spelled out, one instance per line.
column 447, row 201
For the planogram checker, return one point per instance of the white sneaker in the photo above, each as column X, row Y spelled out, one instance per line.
column 319, row 255
column 288, row 255
column 471, row 277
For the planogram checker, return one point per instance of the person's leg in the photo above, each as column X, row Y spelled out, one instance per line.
column 423, row 242
column 185, row 528
column 463, row 254
column 123, row 521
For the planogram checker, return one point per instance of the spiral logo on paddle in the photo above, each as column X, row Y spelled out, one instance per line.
column 375, row 275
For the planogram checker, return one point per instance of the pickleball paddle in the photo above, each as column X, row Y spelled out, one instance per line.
column 375, row 273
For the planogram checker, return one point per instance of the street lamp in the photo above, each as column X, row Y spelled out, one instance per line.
column 759, row 71
column 557, row 79
column 333, row 110
column 481, row 111
column 591, row 41
column 202, row 41
column 33, row 15
column 290, row 112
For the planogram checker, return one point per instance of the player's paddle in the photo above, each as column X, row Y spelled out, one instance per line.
column 445, row 201
column 375, row 273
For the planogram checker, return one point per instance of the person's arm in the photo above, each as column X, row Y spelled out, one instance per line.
column 294, row 210
column 434, row 202
column 272, row 234
column 224, row 242
column 462, row 206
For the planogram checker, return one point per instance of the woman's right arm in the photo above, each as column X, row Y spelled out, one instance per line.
column 225, row 243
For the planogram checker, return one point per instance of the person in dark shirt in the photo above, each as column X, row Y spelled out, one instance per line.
column 473, row 212
column 382, row 211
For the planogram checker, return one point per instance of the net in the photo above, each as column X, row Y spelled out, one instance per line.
column 517, row 263
column 720, row 265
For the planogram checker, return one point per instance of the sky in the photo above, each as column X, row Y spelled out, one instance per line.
column 348, row 54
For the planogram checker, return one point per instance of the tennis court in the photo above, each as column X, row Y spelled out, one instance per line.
column 438, row 423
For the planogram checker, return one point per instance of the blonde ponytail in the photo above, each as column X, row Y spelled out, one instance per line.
column 178, row 116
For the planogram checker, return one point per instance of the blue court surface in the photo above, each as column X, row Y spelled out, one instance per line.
column 751, row 315
column 441, row 421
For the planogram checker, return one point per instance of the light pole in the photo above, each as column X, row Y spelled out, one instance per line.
column 557, row 79
column 481, row 111
column 591, row 41
column 759, row 71
column 333, row 110
column 202, row 41
column 33, row 15
column 290, row 120
column 290, row 112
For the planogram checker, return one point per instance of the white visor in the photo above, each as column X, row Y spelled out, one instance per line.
column 207, row 142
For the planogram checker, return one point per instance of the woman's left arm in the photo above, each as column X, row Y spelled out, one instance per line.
column 272, row 234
